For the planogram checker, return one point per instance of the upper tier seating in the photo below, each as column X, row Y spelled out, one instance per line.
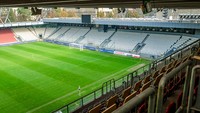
column 24, row 34
column 95, row 37
column 157, row 44
column 73, row 34
column 40, row 31
column 7, row 36
column 58, row 33
column 125, row 40
column 49, row 31
column 180, row 42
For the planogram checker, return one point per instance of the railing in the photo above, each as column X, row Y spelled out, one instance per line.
column 127, row 80
column 17, row 24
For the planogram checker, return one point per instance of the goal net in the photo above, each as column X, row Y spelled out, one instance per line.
column 75, row 45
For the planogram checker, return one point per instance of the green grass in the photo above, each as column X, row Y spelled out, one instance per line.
column 41, row 77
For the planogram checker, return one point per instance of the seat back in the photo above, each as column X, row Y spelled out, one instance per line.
column 177, row 64
column 137, row 85
column 155, row 74
column 110, row 109
column 146, row 79
column 130, row 97
column 170, row 65
column 163, row 69
column 157, row 80
column 126, row 92
column 169, row 70
column 96, row 109
column 112, row 100
column 145, row 86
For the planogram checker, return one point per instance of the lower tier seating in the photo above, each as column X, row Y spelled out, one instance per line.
column 7, row 36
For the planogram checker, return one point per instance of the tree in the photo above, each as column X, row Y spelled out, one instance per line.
column 71, row 14
column 58, row 12
column 110, row 15
column 131, row 14
column 24, row 14
column 12, row 16
column 63, row 13
column 100, row 14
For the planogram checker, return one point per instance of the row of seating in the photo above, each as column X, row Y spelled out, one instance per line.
column 7, row 36
column 173, row 85
column 129, row 93
column 107, row 107
column 127, row 43
column 152, row 78
column 173, row 106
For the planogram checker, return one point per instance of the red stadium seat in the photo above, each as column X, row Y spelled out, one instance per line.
column 179, row 99
column 142, row 108
column 7, row 36
column 171, row 108
column 177, row 82
column 196, row 81
column 171, row 86
column 195, row 91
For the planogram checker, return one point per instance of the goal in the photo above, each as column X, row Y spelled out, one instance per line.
column 75, row 45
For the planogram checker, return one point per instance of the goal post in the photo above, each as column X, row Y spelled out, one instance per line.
column 75, row 45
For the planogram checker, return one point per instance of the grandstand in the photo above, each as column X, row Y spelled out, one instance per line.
column 102, row 65
column 7, row 36
column 126, row 42
column 25, row 34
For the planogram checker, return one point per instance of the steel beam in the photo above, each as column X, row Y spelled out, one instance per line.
column 191, row 91
column 162, row 83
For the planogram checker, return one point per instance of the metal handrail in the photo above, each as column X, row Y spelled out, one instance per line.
column 138, row 99
column 164, row 80
column 191, row 90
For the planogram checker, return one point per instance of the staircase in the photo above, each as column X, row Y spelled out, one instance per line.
column 82, row 37
column 32, row 32
column 184, row 43
column 17, row 37
column 61, row 35
column 172, row 46
column 45, row 31
column 172, row 49
column 56, row 30
column 140, row 45
column 106, row 41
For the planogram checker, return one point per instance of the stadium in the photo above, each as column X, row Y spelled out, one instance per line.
column 99, row 56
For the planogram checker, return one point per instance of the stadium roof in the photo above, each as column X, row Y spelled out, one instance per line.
column 129, row 22
column 100, row 3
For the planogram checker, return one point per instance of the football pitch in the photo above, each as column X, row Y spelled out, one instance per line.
column 40, row 77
